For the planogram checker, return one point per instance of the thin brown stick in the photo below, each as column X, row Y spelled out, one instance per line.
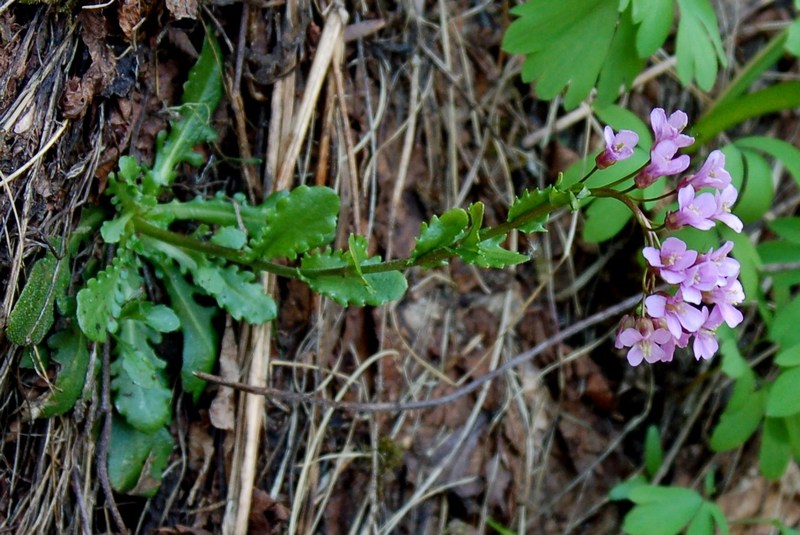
column 105, row 438
column 397, row 406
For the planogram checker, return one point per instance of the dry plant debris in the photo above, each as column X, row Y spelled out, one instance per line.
column 406, row 109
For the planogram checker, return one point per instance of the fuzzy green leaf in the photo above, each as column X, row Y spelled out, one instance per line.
column 236, row 292
column 142, row 393
column 201, row 96
column 100, row 301
column 136, row 460
column 784, row 395
column 699, row 46
column 303, row 220
column 526, row 203
column 349, row 288
column 70, row 351
column 32, row 315
column 566, row 44
column 199, row 336
column 440, row 232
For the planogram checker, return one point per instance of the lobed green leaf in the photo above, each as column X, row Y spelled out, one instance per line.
column 136, row 460
column 526, row 203
column 698, row 44
column 300, row 221
column 440, row 232
column 199, row 351
column 348, row 287
column 775, row 452
column 236, row 292
column 661, row 510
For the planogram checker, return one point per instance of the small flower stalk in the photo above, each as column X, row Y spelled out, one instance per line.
column 702, row 289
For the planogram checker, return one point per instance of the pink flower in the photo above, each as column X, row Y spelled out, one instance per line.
column 711, row 175
column 727, row 267
column 724, row 200
column 702, row 277
column 670, row 128
column 693, row 211
column 726, row 298
column 662, row 163
column 646, row 343
column 672, row 260
column 705, row 343
column 677, row 313
column 618, row 147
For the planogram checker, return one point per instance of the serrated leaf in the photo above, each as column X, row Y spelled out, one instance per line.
column 775, row 451
column 142, row 393
column 100, row 301
column 236, row 292
column 738, row 422
column 136, row 460
column 129, row 169
column 784, row 395
column 70, row 351
column 440, row 232
column 565, row 44
column 526, row 203
column 350, row 288
column 655, row 18
column 303, row 220
column 490, row 254
column 32, row 315
column 113, row 230
column 201, row 96
column 698, row 44
column 661, row 510
column 199, row 336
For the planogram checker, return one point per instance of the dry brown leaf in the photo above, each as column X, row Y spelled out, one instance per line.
column 222, row 412
column 182, row 9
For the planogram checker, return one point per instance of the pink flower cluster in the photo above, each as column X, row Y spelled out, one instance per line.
column 704, row 287
column 706, row 292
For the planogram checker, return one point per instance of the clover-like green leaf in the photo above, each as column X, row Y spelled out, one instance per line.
column 199, row 336
column 440, row 232
column 698, row 44
column 236, row 292
column 661, row 510
column 32, row 315
column 136, row 460
column 621, row 65
column 201, row 96
column 142, row 393
column 565, row 44
column 525, row 204
column 655, row 18
column 776, row 451
column 303, row 220
column 784, row 396
column 101, row 301
column 348, row 287
column 739, row 420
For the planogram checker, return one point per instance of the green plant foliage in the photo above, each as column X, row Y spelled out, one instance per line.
column 741, row 417
column 653, row 453
column 32, row 315
column 527, row 202
column 784, row 395
column 235, row 291
column 784, row 326
column 699, row 48
column 655, row 18
column 565, row 44
column 484, row 252
column 201, row 95
column 303, row 220
column 440, row 232
column 348, row 287
column 100, row 302
column 136, row 460
column 199, row 336
column 142, row 393
column 668, row 510
column 70, row 351
column 775, row 451
column 789, row 357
